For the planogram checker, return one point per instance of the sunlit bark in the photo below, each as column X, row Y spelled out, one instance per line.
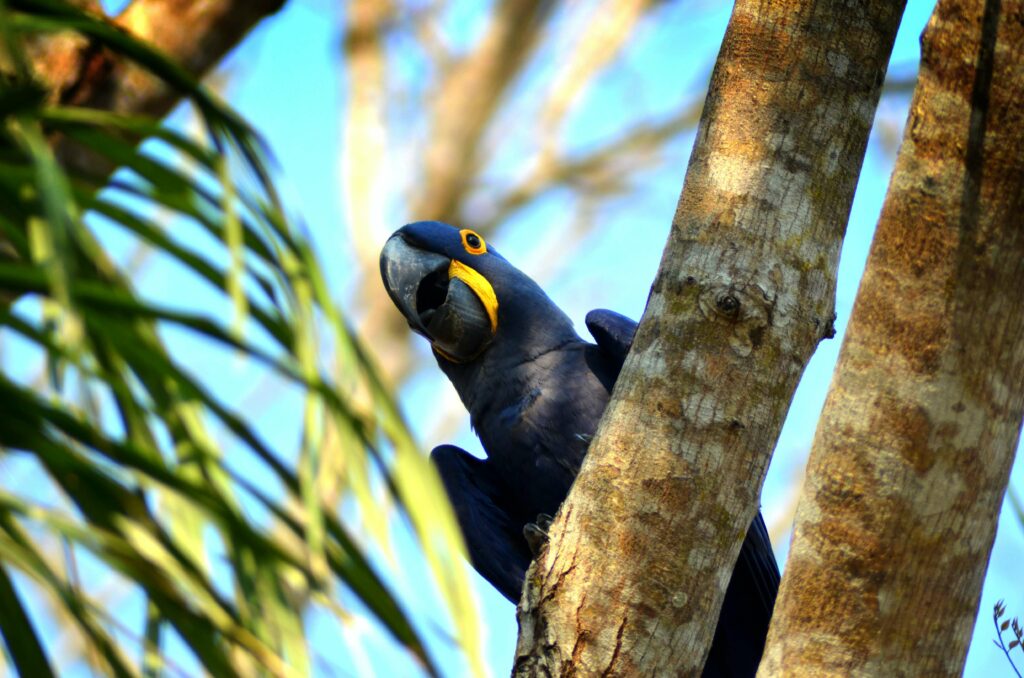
column 913, row 451
column 641, row 551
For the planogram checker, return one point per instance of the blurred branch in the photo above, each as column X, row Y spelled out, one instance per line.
column 464, row 103
column 900, row 85
column 601, row 171
column 365, row 130
column 607, row 32
column 900, row 78
column 1017, row 503
column 780, row 520
column 427, row 30
column 195, row 34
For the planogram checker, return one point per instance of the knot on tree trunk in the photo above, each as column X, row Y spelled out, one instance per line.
column 746, row 307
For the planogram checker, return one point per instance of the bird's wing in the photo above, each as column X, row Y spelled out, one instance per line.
column 757, row 557
column 496, row 545
column 613, row 333
column 747, row 610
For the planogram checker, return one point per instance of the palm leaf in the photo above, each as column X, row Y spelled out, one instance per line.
column 136, row 458
column 22, row 642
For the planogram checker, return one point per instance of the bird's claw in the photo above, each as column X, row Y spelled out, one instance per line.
column 536, row 533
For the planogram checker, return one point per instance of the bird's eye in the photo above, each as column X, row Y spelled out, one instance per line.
column 472, row 242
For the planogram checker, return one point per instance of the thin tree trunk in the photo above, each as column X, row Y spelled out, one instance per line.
column 642, row 549
column 913, row 451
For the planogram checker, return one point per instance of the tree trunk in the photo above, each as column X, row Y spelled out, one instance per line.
column 912, row 455
column 642, row 549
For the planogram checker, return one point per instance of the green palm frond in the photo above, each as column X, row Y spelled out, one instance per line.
column 134, row 445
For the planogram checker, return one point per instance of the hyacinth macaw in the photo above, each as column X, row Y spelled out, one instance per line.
column 535, row 392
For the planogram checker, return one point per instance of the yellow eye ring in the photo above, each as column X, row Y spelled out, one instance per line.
column 473, row 242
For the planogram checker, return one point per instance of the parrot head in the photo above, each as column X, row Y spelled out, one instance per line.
column 464, row 297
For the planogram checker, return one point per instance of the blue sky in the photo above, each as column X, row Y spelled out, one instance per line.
column 287, row 80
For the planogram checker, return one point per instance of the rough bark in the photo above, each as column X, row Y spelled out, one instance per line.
column 641, row 551
column 913, row 452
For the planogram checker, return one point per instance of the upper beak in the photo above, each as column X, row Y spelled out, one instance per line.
column 403, row 268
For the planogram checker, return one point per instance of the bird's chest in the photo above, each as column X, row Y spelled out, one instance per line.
column 536, row 440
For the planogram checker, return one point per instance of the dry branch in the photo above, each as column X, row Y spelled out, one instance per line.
column 197, row 35
column 602, row 172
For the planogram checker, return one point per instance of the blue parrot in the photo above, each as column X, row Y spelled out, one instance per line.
column 535, row 392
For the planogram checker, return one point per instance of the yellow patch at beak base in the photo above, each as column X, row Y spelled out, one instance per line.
column 480, row 287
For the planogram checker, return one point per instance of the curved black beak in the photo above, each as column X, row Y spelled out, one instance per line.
column 403, row 268
column 443, row 309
